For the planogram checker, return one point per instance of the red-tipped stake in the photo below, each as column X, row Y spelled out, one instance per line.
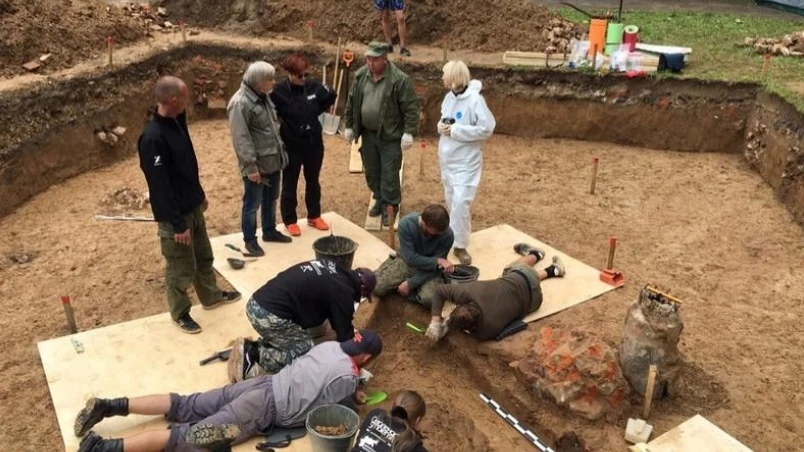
column 68, row 311
column 109, row 41
column 183, row 32
column 421, row 159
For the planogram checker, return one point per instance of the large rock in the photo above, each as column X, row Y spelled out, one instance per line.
column 575, row 370
column 652, row 330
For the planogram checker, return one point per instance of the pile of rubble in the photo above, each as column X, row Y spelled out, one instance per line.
column 559, row 33
column 126, row 199
column 789, row 45
column 154, row 19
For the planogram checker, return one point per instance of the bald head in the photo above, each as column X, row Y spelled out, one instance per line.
column 171, row 95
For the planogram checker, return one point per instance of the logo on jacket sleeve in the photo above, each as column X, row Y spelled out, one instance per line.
column 157, row 160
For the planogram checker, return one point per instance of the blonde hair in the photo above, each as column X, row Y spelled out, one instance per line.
column 456, row 74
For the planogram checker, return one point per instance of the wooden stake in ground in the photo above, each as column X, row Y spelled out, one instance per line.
column 109, row 41
column 595, row 162
column 421, row 159
column 337, row 92
column 309, row 30
column 765, row 67
column 68, row 311
column 652, row 372
column 389, row 210
column 612, row 247
column 183, row 32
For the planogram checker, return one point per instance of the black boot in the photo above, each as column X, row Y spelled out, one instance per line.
column 376, row 209
column 386, row 221
column 214, row 438
column 96, row 410
column 94, row 443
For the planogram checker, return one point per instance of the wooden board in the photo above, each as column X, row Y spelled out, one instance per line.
column 355, row 160
column 375, row 223
column 150, row 355
column 650, row 63
column 697, row 433
column 371, row 252
column 493, row 248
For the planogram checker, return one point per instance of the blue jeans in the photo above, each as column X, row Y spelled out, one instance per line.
column 256, row 196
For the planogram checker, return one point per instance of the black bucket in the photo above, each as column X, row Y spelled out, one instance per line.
column 336, row 248
column 463, row 274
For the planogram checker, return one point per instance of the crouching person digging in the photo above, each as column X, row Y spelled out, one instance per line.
column 287, row 307
column 216, row 419
column 485, row 308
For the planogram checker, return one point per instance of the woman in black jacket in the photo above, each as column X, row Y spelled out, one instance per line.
column 299, row 101
column 393, row 431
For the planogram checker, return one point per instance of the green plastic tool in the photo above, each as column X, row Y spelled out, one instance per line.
column 376, row 397
column 414, row 327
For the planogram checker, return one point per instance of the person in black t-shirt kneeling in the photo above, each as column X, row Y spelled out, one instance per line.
column 394, row 431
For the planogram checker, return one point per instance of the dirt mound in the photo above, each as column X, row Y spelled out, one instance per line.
column 484, row 26
column 70, row 31
column 124, row 199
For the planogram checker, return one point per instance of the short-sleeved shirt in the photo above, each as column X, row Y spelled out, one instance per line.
column 377, row 433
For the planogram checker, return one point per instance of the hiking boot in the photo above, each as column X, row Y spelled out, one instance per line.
column 293, row 229
column 254, row 248
column 559, row 266
column 214, row 438
column 227, row 297
column 275, row 236
column 390, row 48
column 187, row 325
column 96, row 410
column 463, row 256
column 404, row 51
column 524, row 249
column 385, row 220
column 376, row 209
column 244, row 360
column 318, row 223
column 95, row 443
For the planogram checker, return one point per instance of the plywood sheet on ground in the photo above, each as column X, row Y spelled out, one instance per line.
column 355, row 160
column 493, row 248
column 371, row 252
column 150, row 355
column 697, row 433
column 375, row 223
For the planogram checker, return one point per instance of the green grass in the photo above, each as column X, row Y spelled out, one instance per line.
column 714, row 39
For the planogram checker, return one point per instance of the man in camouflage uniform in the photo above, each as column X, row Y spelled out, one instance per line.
column 287, row 307
column 424, row 242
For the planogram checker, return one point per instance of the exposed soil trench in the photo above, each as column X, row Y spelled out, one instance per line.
column 703, row 223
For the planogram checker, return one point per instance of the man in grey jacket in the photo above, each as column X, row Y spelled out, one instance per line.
column 213, row 420
column 260, row 153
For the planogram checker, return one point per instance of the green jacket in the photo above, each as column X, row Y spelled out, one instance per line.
column 399, row 110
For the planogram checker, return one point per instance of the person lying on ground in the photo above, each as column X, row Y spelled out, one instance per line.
column 485, row 308
column 395, row 430
column 216, row 419
column 424, row 242
column 285, row 309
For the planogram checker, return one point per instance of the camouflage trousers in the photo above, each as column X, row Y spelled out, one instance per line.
column 281, row 340
column 393, row 271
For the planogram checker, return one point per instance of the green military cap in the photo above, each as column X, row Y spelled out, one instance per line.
column 377, row 49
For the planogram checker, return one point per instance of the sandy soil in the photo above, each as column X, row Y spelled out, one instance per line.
column 703, row 224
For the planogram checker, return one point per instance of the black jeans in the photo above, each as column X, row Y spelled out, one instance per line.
column 311, row 158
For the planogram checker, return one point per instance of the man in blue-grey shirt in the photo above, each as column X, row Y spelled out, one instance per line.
column 424, row 241
column 213, row 420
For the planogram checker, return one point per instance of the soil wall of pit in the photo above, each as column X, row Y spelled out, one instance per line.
column 50, row 130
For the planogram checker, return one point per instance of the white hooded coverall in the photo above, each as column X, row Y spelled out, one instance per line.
column 461, row 157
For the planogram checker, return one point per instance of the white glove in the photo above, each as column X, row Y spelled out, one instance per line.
column 444, row 128
column 349, row 135
column 436, row 331
column 364, row 376
column 407, row 141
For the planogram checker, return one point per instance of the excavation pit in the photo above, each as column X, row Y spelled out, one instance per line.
column 701, row 183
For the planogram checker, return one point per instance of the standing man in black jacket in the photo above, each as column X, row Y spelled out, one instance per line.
column 285, row 309
column 299, row 101
column 167, row 158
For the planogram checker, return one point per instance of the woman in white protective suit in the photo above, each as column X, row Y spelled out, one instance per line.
column 466, row 123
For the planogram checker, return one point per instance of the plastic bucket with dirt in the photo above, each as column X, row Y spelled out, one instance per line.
column 332, row 428
column 336, row 248
column 463, row 274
